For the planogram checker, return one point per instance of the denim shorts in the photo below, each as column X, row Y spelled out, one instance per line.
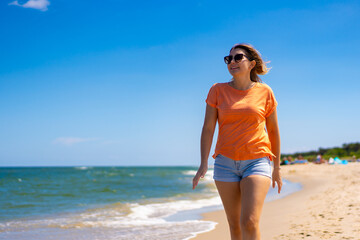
column 228, row 170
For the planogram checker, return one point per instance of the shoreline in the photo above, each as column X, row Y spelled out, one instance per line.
column 325, row 208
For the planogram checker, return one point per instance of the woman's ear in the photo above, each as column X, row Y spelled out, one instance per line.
column 253, row 64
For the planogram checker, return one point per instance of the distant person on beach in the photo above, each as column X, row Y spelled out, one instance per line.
column 242, row 169
column 285, row 161
column 319, row 159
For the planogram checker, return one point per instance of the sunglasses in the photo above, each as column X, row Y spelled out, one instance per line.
column 237, row 58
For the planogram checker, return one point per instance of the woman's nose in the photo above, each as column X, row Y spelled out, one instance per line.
column 232, row 60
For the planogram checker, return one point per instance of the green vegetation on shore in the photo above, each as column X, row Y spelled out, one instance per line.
column 347, row 151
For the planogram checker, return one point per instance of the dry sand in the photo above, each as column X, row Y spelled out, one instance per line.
column 328, row 206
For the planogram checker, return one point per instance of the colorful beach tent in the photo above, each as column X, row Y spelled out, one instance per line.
column 337, row 160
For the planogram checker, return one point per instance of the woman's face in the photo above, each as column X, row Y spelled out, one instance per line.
column 241, row 68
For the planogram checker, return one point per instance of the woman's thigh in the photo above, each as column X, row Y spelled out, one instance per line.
column 253, row 190
column 231, row 198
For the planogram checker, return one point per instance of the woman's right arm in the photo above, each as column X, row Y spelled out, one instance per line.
column 207, row 134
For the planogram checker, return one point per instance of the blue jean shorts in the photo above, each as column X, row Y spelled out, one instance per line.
column 228, row 170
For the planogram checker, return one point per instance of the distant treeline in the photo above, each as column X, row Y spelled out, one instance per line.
column 347, row 151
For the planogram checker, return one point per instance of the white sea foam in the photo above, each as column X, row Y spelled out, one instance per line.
column 82, row 168
column 190, row 172
column 208, row 176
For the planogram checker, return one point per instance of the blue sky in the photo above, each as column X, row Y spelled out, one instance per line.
column 124, row 82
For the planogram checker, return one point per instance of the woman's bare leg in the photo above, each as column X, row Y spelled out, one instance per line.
column 231, row 198
column 253, row 189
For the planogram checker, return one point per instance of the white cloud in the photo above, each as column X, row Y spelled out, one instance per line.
column 36, row 4
column 72, row 140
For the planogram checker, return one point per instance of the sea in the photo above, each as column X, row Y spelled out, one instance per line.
column 127, row 203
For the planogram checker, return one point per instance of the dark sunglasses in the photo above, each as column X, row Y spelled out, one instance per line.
column 237, row 58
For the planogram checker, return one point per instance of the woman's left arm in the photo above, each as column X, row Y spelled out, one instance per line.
column 274, row 136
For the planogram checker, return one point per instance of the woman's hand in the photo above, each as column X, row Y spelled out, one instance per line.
column 276, row 177
column 200, row 173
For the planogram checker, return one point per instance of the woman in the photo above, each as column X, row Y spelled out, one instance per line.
column 244, row 149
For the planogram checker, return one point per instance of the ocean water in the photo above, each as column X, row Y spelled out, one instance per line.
column 108, row 202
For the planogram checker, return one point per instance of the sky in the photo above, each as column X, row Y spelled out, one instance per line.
column 124, row 83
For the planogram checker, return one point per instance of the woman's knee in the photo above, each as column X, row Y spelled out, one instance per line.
column 235, row 226
column 249, row 224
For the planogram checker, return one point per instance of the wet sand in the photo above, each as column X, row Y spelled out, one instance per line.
column 328, row 206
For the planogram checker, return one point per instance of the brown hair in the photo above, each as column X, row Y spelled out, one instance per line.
column 252, row 54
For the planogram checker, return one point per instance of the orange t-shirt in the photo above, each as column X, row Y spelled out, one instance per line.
column 241, row 120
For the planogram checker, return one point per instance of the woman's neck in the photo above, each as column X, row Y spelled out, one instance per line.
column 242, row 83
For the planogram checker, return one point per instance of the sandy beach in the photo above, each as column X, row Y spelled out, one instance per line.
column 328, row 206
